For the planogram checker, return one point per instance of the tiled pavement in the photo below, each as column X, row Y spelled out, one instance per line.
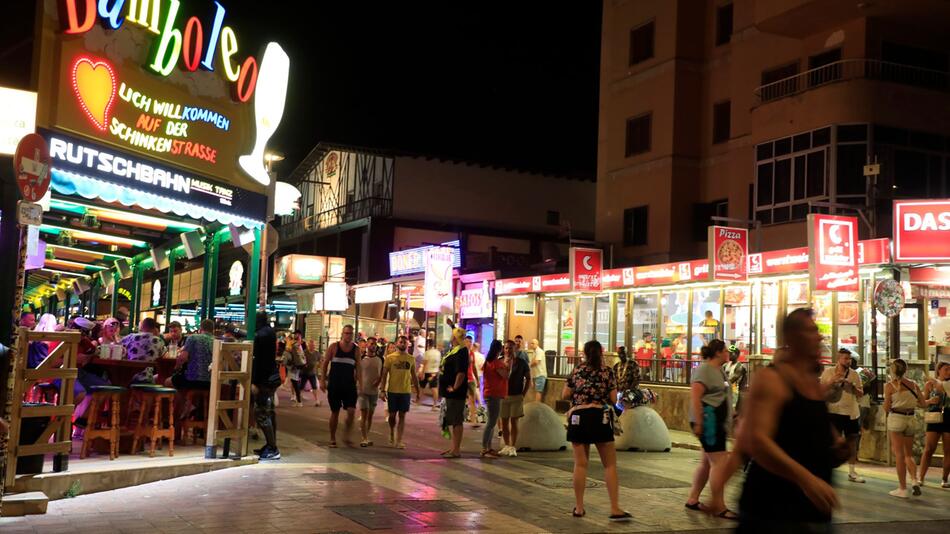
column 321, row 490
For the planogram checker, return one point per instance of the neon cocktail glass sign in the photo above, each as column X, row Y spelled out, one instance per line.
column 175, row 43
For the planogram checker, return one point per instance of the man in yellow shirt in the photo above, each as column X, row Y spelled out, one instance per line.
column 397, row 383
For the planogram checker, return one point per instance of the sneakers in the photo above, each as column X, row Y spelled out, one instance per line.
column 899, row 493
column 270, row 454
column 915, row 488
column 856, row 478
column 508, row 450
column 945, row 485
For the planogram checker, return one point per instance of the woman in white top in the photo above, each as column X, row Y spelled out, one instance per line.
column 937, row 399
column 901, row 397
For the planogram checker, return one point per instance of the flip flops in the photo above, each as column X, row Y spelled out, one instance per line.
column 621, row 517
column 575, row 514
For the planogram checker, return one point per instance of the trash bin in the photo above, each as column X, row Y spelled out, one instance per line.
column 31, row 428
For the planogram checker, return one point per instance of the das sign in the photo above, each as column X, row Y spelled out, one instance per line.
column 834, row 244
column 586, row 268
column 728, row 248
column 921, row 230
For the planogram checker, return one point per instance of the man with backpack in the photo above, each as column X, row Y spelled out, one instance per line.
column 265, row 379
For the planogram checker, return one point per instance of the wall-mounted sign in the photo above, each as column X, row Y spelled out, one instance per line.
column 106, row 165
column 938, row 276
column 834, row 265
column 728, row 248
column 336, row 269
column 371, row 294
column 235, row 278
column 921, row 231
column 300, row 270
column 475, row 303
column 438, row 280
column 334, row 296
column 412, row 261
column 162, row 78
column 156, row 293
column 534, row 284
column 17, row 117
column 670, row 273
column 586, row 265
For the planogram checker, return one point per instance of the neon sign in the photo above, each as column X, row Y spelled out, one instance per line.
column 173, row 43
column 94, row 85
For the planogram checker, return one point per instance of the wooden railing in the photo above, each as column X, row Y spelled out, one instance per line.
column 228, row 419
column 59, row 413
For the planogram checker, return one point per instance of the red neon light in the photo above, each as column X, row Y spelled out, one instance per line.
column 244, row 92
column 94, row 64
column 191, row 58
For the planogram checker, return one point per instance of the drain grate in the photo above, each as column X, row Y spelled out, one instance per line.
column 562, row 482
column 332, row 476
column 377, row 517
column 430, row 506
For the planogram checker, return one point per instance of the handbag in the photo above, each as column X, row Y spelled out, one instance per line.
column 932, row 418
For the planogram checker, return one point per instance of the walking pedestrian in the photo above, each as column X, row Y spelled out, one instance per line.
column 709, row 417
column 937, row 393
column 512, row 406
column 474, row 394
column 592, row 390
column 496, row 389
column 295, row 359
column 370, row 378
column 786, row 433
column 539, row 369
column 738, row 376
column 265, row 379
column 901, row 397
column 844, row 390
column 430, row 373
column 308, row 375
column 398, row 381
column 453, row 378
column 340, row 376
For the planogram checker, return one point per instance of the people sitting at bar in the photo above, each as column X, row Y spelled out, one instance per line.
column 173, row 339
column 88, row 375
column 146, row 345
column 194, row 359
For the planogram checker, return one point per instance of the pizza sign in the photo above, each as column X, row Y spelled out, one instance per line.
column 834, row 261
column 728, row 248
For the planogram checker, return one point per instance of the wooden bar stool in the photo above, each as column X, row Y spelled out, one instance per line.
column 104, row 416
column 153, row 400
column 136, row 402
column 199, row 417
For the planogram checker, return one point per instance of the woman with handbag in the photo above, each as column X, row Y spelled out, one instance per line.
column 901, row 397
column 709, row 415
column 592, row 390
column 937, row 393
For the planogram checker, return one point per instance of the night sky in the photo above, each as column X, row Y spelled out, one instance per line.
column 513, row 83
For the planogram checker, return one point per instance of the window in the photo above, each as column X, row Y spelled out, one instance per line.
column 779, row 82
column 641, row 43
column 635, row 226
column 723, row 24
column 789, row 173
column 824, row 67
column 703, row 214
column 554, row 218
column 638, row 134
column 721, row 121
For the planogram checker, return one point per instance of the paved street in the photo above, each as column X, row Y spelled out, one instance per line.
column 316, row 489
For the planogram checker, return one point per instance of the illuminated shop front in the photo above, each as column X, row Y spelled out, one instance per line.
column 681, row 310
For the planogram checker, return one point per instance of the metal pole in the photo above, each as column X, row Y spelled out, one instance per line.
column 250, row 308
column 136, row 295
column 114, row 307
column 213, row 275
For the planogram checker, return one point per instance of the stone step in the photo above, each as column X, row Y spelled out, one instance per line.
column 25, row 503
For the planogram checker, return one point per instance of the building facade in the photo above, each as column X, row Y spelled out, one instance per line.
column 765, row 110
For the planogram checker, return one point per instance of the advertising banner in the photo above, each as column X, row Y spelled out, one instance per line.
column 921, row 231
column 438, row 262
column 728, row 249
column 475, row 303
column 586, row 266
column 299, row 269
column 833, row 241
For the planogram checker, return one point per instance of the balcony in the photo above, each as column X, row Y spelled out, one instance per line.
column 347, row 213
column 852, row 69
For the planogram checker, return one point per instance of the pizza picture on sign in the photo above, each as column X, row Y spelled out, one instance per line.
column 730, row 254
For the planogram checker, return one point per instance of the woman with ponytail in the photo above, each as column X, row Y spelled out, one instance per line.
column 901, row 398
column 709, row 414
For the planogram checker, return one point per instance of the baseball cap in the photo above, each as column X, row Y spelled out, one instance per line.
column 85, row 324
column 733, row 349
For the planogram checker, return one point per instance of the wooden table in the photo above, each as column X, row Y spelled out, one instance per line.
column 121, row 372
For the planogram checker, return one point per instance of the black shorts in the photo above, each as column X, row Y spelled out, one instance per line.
column 430, row 379
column 311, row 379
column 940, row 428
column 341, row 398
column 845, row 425
column 589, row 426
column 180, row 382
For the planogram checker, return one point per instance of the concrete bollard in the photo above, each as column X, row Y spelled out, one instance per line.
column 643, row 430
column 541, row 429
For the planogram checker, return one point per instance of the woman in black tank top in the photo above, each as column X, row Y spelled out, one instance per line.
column 788, row 436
